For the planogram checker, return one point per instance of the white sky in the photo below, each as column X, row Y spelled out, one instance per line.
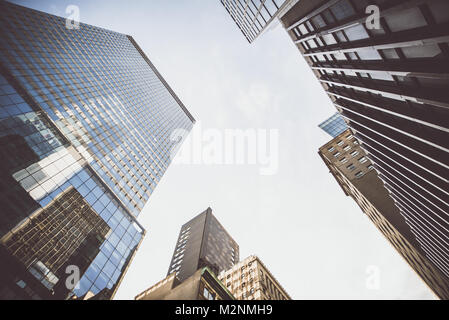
column 314, row 239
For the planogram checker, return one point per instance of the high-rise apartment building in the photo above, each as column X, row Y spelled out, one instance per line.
column 202, row 285
column 384, row 65
column 250, row 279
column 334, row 126
column 85, row 136
column 203, row 242
column 355, row 174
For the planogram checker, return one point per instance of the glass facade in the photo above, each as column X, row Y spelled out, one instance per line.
column 253, row 16
column 85, row 136
column 335, row 125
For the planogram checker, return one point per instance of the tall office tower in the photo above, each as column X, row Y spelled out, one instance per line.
column 203, row 242
column 354, row 172
column 335, row 125
column 253, row 17
column 390, row 81
column 85, row 136
column 251, row 280
column 202, row 285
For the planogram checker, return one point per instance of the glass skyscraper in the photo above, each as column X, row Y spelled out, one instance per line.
column 254, row 16
column 86, row 134
column 390, row 84
column 334, row 126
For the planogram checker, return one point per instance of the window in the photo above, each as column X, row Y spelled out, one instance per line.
column 352, row 55
column 329, row 39
column 340, row 143
column 381, row 75
column 340, row 36
column 347, row 148
column 426, row 51
column 328, row 16
column 368, row 54
column 344, row 160
column 208, row 295
column 339, row 56
column 390, row 54
column 21, row 284
column 337, row 154
column 363, row 160
column 331, row 149
column 356, row 32
column 359, row 174
column 318, row 21
column 311, row 43
column 303, row 29
column 405, row 20
column 342, row 10
column 351, row 167
column 319, row 41
column 310, row 26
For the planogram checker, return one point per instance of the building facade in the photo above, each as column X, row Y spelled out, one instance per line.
column 334, row 126
column 250, row 279
column 355, row 173
column 389, row 80
column 202, row 285
column 86, row 124
column 203, row 242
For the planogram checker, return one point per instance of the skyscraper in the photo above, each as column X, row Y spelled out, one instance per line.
column 389, row 80
column 355, row 174
column 203, row 242
column 386, row 73
column 253, row 17
column 335, row 125
column 86, row 134
column 250, row 279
